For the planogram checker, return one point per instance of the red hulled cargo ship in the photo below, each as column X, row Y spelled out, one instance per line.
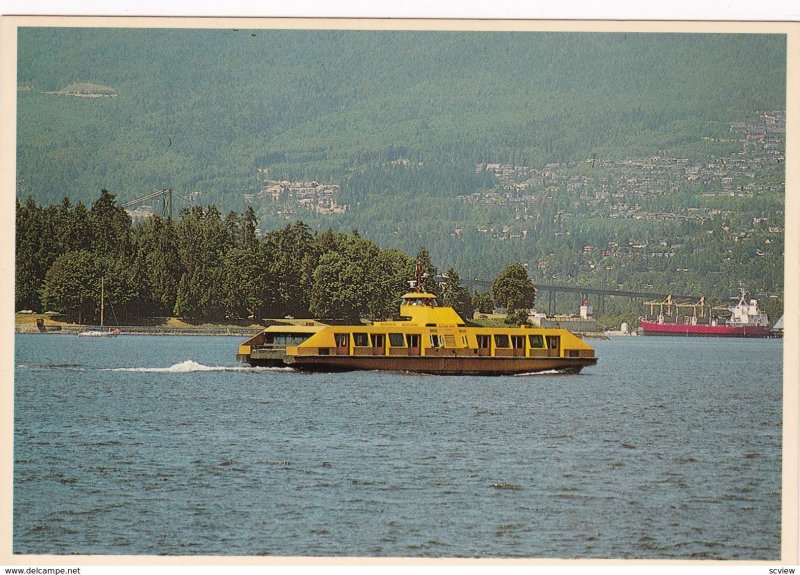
column 745, row 320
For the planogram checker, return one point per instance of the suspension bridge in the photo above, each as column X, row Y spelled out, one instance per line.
column 163, row 198
column 551, row 291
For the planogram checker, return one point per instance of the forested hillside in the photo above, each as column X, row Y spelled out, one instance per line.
column 612, row 141
column 208, row 267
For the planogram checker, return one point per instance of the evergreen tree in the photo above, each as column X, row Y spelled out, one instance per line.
column 199, row 296
column 292, row 254
column 110, row 225
column 29, row 274
column 76, row 228
column 122, row 287
column 233, row 228
column 344, row 283
column 163, row 268
column 248, row 225
column 392, row 273
column 334, row 293
column 429, row 272
column 39, row 243
column 483, row 302
column 202, row 242
column 248, row 288
column 72, row 286
column 513, row 289
column 456, row 295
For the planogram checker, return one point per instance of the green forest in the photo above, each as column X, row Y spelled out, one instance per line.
column 642, row 161
column 206, row 267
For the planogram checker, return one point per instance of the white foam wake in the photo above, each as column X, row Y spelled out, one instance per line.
column 190, row 366
column 545, row 372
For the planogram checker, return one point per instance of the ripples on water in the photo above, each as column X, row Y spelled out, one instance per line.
column 668, row 448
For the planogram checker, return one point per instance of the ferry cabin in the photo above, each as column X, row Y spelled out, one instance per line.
column 434, row 339
column 268, row 347
column 438, row 342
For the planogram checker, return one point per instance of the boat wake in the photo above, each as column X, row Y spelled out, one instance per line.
column 190, row 366
column 67, row 366
column 545, row 372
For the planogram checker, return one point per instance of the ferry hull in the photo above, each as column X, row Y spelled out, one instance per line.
column 667, row 329
column 441, row 365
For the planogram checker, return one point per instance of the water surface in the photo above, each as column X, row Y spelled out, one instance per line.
column 667, row 448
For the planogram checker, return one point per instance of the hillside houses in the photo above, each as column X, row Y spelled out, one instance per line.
column 286, row 198
column 626, row 189
column 669, row 210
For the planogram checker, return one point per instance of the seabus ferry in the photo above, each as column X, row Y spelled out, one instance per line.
column 427, row 338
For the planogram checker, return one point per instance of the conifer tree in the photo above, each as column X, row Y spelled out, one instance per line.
column 513, row 289
column 456, row 295
column 110, row 225
column 72, row 286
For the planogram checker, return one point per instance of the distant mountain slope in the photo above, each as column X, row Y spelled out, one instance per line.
column 202, row 109
column 638, row 160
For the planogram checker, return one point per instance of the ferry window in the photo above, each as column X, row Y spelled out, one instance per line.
column 483, row 341
column 436, row 341
column 536, row 341
column 450, row 341
column 396, row 340
column 288, row 339
column 377, row 340
column 553, row 342
column 518, row 341
column 501, row 340
column 361, row 339
column 413, row 340
column 342, row 340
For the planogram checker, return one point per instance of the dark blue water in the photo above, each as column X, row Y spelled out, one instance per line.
column 668, row 448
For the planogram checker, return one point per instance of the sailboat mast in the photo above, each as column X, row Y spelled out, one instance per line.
column 101, row 301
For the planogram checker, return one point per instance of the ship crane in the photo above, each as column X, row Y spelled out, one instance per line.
column 700, row 304
column 661, row 304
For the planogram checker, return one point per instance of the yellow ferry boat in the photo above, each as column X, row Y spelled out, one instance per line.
column 428, row 338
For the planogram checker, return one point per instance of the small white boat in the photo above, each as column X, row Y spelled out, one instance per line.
column 100, row 331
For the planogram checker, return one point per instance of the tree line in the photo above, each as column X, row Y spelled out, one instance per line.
column 204, row 266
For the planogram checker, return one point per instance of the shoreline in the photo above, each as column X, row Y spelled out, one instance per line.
column 28, row 324
column 139, row 330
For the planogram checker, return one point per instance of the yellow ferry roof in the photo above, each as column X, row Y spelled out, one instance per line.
column 419, row 295
column 421, row 308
